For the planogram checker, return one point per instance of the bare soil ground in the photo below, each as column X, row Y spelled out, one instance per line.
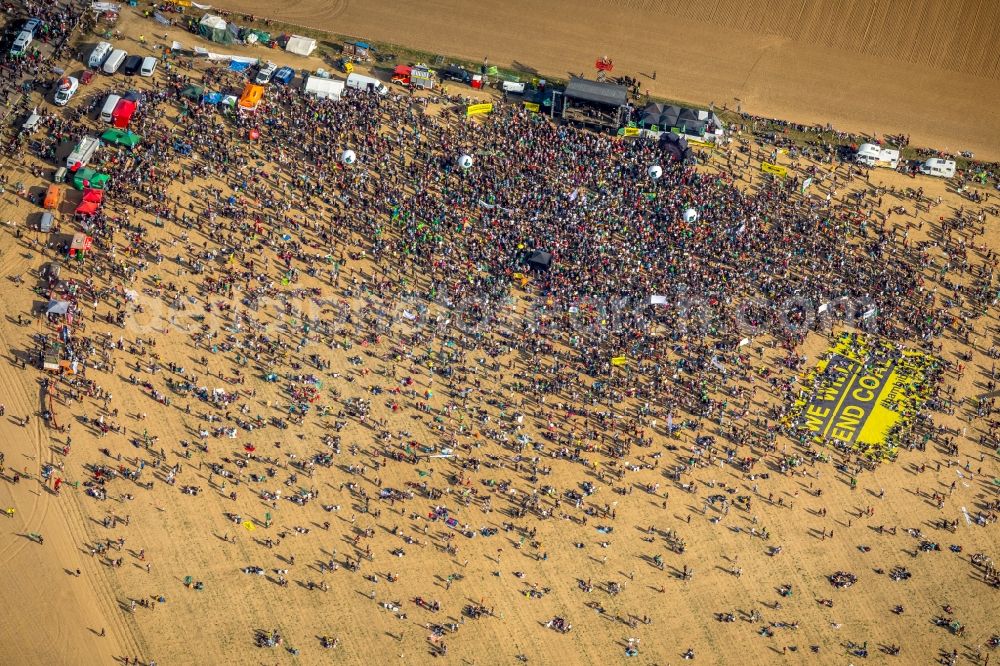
column 53, row 616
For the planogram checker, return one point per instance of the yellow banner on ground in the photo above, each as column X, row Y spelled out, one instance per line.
column 767, row 167
column 700, row 144
column 864, row 393
column 478, row 109
column 531, row 106
column 619, row 360
column 631, row 131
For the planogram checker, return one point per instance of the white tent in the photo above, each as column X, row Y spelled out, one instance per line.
column 300, row 45
column 213, row 22
column 324, row 88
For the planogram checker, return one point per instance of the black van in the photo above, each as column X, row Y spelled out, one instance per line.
column 132, row 65
column 455, row 73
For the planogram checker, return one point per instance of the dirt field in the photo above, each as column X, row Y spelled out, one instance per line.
column 925, row 68
column 54, row 616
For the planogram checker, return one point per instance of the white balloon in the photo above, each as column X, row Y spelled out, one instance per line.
column 465, row 161
column 690, row 215
column 655, row 171
column 348, row 157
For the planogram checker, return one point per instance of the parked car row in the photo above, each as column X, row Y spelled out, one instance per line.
column 110, row 60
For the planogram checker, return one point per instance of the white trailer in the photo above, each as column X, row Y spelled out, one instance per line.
column 83, row 152
column 874, row 155
column 939, row 167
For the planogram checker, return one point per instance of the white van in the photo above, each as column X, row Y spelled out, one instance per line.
column 516, row 87
column 874, row 155
column 362, row 82
column 148, row 66
column 109, row 107
column 99, row 55
column 83, row 152
column 937, row 166
column 114, row 61
column 65, row 89
column 21, row 43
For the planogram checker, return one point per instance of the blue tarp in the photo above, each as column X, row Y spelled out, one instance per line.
column 239, row 66
column 213, row 98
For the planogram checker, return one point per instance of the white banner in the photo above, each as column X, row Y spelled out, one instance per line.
column 106, row 7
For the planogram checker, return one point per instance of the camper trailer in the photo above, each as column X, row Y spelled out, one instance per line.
column 939, row 167
column 83, row 152
column 873, row 155
column 362, row 82
column 99, row 55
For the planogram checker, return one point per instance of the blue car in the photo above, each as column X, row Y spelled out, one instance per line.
column 284, row 76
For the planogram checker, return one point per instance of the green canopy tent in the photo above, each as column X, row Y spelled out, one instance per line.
column 90, row 178
column 193, row 92
column 121, row 137
column 214, row 28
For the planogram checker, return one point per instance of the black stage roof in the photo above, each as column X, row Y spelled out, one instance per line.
column 597, row 91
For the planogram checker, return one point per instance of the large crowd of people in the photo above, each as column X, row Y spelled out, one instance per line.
column 270, row 256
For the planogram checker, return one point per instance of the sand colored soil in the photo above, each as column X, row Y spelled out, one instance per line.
column 54, row 616
column 925, row 68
